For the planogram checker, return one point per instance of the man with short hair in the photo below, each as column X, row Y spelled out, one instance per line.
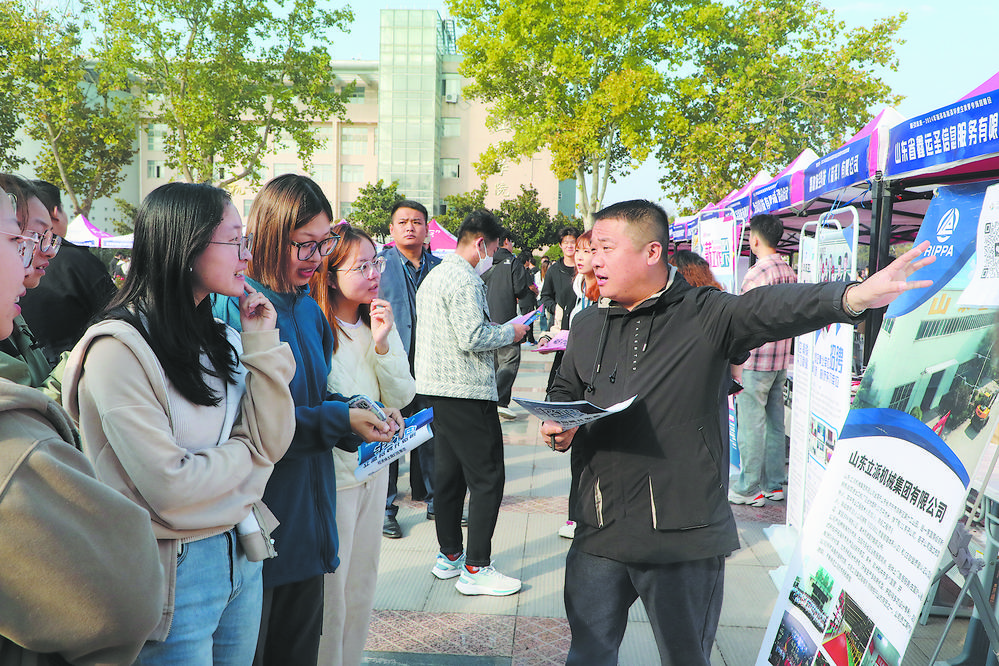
column 407, row 264
column 558, row 291
column 653, row 520
column 455, row 370
column 75, row 289
column 761, row 402
column 506, row 282
column 529, row 303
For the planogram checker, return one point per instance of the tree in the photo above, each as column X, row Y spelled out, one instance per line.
column 228, row 78
column 74, row 107
column 530, row 224
column 582, row 79
column 373, row 206
column 460, row 205
column 767, row 79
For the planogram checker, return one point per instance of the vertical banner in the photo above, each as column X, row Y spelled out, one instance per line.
column 896, row 485
column 718, row 238
column 823, row 362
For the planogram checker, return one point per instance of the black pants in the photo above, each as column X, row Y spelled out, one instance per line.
column 421, row 468
column 507, row 366
column 468, row 454
column 683, row 601
column 290, row 624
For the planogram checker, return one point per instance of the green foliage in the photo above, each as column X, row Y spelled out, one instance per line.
column 373, row 207
column 78, row 111
column 124, row 224
column 581, row 79
column 460, row 205
column 531, row 225
column 229, row 78
column 766, row 79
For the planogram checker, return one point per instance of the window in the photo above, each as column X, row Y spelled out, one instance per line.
column 322, row 173
column 346, row 207
column 934, row 328
column 351, row 173
column 900, row 396
column 451, row 127
column 284, row 167
column 324, row 133
column 247, row 204
column 353, row 140
column 356, row 96
column 155, row 169
column 154, row 135
column 449, row 167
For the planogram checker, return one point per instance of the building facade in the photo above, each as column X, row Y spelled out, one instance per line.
column 407, row 121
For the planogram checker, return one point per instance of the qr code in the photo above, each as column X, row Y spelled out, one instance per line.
column 988, row 249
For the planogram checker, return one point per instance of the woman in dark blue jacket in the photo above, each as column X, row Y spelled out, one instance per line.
column 290, row 221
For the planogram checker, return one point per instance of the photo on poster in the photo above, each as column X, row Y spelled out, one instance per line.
column 821, row 440
column 792, row 646
column 845, row 639
column 813, row 593
column 880, row 652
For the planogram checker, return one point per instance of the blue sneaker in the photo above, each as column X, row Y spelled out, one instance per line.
column 486, row 581
column 444, row 568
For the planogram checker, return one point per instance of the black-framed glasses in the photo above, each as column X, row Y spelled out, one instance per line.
column 245, row 243
column 309, row 248
column 49, row 242
column 25, row 247
column 369, row 268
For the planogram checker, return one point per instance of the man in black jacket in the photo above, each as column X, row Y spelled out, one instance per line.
column 653, row 517
column 506, row 282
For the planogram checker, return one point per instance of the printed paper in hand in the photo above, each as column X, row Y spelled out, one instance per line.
column 528, row 318
column 372, row 456
column 571, row 414
column 557, row 343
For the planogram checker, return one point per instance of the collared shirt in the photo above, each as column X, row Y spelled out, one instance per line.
column 766, row 271
column 414, row 278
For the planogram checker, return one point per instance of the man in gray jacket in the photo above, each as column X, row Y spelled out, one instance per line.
column 653, row 517
column 455, row 371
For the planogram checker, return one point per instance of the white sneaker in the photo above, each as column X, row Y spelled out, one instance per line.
column 568, row 530
column 751, row 500
column 775, row 495
column 444, row 568
column 506, row 413
column 486, row 581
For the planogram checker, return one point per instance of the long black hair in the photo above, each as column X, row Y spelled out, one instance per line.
column 173, row 226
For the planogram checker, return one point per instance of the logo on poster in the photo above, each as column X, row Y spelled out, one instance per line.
column 946, row 227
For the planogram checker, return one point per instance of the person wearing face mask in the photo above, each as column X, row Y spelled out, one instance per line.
column 455, row 371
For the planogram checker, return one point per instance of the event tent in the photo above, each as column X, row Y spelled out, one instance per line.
column 81, row 232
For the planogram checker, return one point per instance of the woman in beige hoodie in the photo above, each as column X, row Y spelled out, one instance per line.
column 158, row 390
column 80, row 579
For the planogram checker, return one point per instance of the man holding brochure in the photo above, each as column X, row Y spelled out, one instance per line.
column 654, row 521
column 455, row 371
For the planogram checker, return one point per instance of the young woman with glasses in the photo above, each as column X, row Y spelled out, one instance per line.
column 21, row 357
column 368, row 358
column 290, row 221
column 186, row 417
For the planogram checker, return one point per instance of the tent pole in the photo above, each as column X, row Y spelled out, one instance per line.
column 881, row 213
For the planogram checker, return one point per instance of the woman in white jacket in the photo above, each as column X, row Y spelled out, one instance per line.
column 368, row 358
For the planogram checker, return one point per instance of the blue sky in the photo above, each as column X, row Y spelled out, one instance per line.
column 951, row 46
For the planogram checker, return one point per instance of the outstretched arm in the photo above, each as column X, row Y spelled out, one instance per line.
column 884, row 286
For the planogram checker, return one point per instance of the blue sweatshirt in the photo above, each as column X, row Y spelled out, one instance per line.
column 302, row 489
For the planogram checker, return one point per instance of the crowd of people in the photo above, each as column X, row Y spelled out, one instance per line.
column 184, row 490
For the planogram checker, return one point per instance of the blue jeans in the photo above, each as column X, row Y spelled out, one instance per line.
column 216, row 607
column 760, row 432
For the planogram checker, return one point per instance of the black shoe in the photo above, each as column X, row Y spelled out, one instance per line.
column 391, row 529
column 431, row 515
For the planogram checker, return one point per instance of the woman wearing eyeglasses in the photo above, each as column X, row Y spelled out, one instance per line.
column 368, row 358
column 175, row 420
column 290, row 220
column 21, row 358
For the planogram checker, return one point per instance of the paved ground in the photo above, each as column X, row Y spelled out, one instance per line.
column 421, row 621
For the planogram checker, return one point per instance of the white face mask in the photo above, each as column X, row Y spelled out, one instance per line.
column 485, row 263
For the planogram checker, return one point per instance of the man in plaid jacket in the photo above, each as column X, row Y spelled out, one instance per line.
column 761, row 403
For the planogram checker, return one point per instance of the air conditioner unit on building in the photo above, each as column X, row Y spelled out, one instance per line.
column 451, row 97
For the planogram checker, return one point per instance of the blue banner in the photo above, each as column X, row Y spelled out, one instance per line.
column 772, row 196
column 950, row 224
column 847, row 166
column 961, row 131
column 741, row 207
